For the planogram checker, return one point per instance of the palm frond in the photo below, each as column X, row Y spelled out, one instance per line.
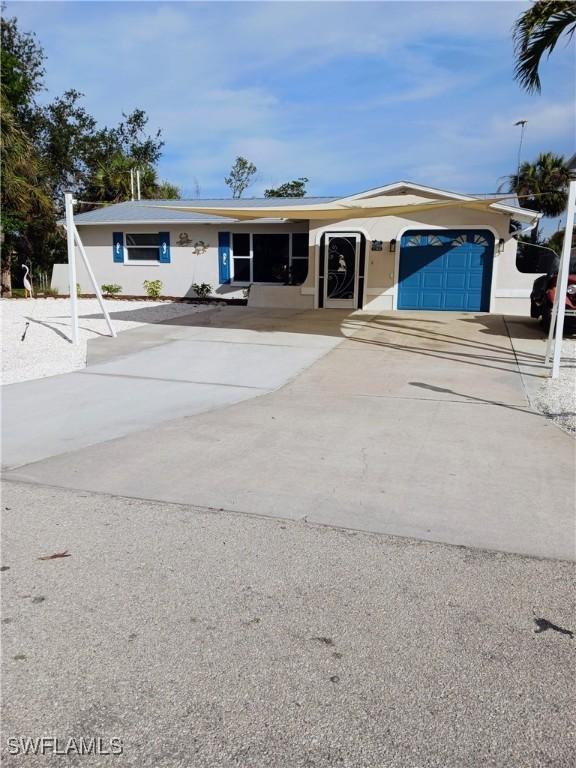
column 536, row 33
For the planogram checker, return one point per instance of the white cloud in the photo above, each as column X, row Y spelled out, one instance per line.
column 348, row 94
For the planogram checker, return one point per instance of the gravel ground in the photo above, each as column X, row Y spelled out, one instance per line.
column 557, row 397
column 47, row 350
column 211, row 640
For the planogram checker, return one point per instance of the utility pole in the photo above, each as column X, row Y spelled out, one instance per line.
column 69, row 208
column 522, row 124
column 138, row 182
column 132, row 183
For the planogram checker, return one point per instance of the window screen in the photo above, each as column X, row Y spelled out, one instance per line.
column 143, row 246
column 241, row 244
column 271, row 257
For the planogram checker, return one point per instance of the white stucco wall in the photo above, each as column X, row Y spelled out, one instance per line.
column 185, row 267
column 510, row 288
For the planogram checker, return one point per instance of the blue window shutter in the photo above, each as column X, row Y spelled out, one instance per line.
column 118, row 247
column 224, row 257
column 164, row 238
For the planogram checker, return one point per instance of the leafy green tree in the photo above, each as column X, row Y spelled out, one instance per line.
column 22, row 59
column 542, row 186
column 67, row 138
column 241, row 176
column 48, row 150
column 115, row 152
column 23, row 196
column 536, row 33
column 295, row 188
column 133, row 141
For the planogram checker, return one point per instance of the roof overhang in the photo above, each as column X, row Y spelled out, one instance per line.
column 172, row 222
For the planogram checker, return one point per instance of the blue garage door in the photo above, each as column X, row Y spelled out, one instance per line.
column 444, row 269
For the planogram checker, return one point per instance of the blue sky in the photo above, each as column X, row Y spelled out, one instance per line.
column 352, row 95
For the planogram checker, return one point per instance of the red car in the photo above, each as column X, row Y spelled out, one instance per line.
column 543, row 296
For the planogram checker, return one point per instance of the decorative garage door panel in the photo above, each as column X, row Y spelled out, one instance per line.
column 449, row 270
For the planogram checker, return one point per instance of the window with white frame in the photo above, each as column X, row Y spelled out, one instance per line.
column 242, row 257
column 270, row 257
column 143, row 247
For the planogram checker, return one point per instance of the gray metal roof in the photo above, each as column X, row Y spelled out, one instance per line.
column 147, row 211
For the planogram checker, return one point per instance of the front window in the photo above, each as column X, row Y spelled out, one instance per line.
column 143, row 247
column 270, row 257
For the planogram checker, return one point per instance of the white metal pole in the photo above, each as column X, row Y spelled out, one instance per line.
column 132, row 183
column 562, row 281
column 550, row 341
column 521, row 123
column 69, row 207
column 93, row 280
column 138, row 182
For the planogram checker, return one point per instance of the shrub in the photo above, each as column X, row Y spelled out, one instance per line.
column 111, row 289
column 153, row 288
column 51, row 293
column 202, row 290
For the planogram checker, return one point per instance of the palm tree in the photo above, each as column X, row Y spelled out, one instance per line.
column 24, row 196
column 167, row 191
column 111, row 182
column 536, row 33
column 542, row 186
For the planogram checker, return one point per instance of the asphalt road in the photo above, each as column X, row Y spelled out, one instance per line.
column 207, row 638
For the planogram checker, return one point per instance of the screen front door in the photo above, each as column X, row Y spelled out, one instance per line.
column 341, row 270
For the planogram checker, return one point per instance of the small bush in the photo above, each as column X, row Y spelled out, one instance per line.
column 111, row 289
column 51, row 293
column 202, row 290
column 153, row 288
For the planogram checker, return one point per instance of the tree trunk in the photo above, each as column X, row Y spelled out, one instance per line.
column 6, row 274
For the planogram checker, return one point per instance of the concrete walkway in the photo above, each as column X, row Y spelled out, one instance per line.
column 147, row 377
column 412, row 424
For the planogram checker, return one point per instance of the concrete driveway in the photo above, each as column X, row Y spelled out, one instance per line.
column 414, row 424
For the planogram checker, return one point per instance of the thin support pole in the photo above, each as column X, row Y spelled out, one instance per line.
column 132, row 183
column 521, row 123
column 550, row 341
column 93, row 281
column 562, row 281
column 69, row 208
column 138, row 182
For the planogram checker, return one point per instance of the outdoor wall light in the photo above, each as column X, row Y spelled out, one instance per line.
column 501, row 245
column 392, row 246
